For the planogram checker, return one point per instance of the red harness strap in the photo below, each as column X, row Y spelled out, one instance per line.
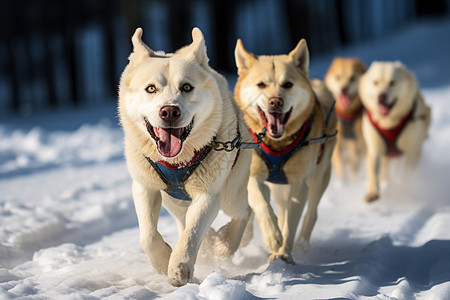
column 390, row 135
column 197, row 154
column 291, row 146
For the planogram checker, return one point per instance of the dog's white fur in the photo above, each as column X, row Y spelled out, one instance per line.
column 307, row 180
column 402, row 91
column 215, row 184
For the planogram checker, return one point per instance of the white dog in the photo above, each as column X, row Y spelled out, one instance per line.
column 176, row 113
column 396, row 120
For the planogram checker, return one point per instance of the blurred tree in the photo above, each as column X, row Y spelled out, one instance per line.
column 131, row 10
column 224, row 14
column 179, row 23
column 298, row 20
column 430, row 8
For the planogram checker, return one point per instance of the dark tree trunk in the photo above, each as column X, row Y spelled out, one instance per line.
column 224, row 12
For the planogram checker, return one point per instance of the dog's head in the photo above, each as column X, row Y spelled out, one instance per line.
column 388, row 89
column 273, row 90
column 172, row 99
column 342, row 80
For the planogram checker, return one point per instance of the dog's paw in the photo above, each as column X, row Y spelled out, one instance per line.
column 371, row 197
column 180, row 275
column 285, row 257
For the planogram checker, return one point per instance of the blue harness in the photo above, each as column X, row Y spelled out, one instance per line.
column 175, row 177
column 275, row 160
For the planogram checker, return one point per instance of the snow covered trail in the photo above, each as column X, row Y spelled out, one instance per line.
column 68, row 229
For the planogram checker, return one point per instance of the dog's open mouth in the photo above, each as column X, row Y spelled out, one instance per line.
column 169, row 140
column 275, row 122
column 385, row 107
column 345, row 100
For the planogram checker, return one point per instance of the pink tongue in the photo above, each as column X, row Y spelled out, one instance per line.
column 384, row 110
column 169, row 143
column 344, row 100
column 275, row 123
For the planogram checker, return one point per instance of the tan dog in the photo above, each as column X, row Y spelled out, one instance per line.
column 175, row 110
column 275, row 93
column 342, row 80
column 396, row 121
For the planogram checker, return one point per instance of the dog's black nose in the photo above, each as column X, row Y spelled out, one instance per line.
column 276, row 103
column 169, row 113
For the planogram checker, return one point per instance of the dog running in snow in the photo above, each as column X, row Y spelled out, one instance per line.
column 293, row 164
column 177, row 113
column 342, row 79
column 396, row 121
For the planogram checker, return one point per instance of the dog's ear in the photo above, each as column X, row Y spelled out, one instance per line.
column 412, row 77
column 300, row 56
column 360, row 65
column 197, row 49
column 140, row 50
column 243, row 58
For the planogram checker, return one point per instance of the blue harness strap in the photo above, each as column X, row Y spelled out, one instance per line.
column 275, row 160
column 175, row 177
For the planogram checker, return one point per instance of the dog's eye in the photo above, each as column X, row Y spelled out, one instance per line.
column 352, row 78
column 187, row 87
column 287, row 85
column 261, row 85
column 391, row 83
column 151, row 89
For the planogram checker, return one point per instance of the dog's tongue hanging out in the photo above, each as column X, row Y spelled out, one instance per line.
column 345, row 100
column 276, row 123
column 169, row 143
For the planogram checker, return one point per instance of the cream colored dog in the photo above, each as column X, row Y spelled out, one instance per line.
column 396, row 120
column 175, row 111
column 342, row 80
column 275, row 93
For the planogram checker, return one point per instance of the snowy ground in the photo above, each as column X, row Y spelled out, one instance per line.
column 68, row 229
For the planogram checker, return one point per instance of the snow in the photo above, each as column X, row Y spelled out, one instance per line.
column 68, row 229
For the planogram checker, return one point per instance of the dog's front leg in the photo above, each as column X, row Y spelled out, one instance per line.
column 294, row 210
column 148, row 206
column 373, row 168
column 199, row 218
column 338, row 159
column 259, row 201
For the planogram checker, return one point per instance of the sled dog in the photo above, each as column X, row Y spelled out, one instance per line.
column 396, row 120
column 293, row 163
column 342, row 79
column 176, row 113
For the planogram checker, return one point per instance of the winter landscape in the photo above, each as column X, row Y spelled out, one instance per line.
column 68, row 228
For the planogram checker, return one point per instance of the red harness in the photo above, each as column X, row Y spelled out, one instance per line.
column 390, row 135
